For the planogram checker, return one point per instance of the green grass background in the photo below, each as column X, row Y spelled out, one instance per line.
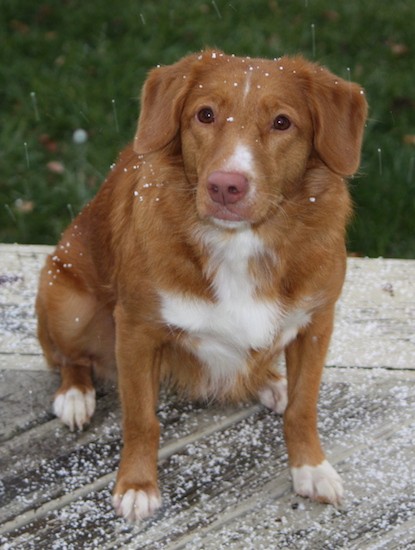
column 73, row 64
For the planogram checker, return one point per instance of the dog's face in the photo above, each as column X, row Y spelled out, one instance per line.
column 246, row 136
column 248, row 129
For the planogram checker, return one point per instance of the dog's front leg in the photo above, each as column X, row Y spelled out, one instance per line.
column 312, row 474
column 136, row 493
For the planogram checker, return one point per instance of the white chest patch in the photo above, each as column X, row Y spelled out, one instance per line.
column 222, row 332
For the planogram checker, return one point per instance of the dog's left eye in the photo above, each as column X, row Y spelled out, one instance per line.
column 281, row 122
column 206, row 115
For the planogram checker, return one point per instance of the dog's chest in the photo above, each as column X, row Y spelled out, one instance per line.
column 222, row 332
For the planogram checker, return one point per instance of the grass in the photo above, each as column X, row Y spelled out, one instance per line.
column 72, row 64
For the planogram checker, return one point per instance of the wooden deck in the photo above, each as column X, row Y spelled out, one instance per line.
column 223, row 471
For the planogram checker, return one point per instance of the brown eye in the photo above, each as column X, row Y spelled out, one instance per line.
column 206, row 115
column 281, row 122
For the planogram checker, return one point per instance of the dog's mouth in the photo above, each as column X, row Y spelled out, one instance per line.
column 228, row 216
column 230, row 224
column 225, row 213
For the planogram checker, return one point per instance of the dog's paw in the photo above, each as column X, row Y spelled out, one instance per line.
column 135, row 506
column 274, row 395
column 321, row 483
column 74, row 407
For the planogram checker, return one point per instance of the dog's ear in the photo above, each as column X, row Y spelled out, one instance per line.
column 162, row 101
column 339, row 111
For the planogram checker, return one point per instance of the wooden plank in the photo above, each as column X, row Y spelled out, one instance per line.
column 25, row 398
column 375, row 458
column 223, row 471
column 230, row 486
column 56, row 449
column 375, row 323
column 19, row 271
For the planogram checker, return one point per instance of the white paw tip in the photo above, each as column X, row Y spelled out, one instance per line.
column 74, row 407
column 274, row 395
column 321, row 483
column 135, row 506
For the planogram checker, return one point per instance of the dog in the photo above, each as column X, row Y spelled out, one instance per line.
column 216, row 243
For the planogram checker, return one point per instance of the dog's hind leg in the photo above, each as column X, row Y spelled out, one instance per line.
column 77, row 336
column 74, row 402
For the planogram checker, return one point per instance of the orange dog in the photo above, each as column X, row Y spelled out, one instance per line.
column 216, row 242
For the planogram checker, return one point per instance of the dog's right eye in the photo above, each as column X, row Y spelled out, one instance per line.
column 281, row 122
column 206, row 115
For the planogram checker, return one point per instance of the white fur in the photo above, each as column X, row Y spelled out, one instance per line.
column 293, row 321
column 274, row 395
column 222, row 332
column 74, row 407
column 241, row 160
column 247, row 86
column 320, row 483
column 136, row 505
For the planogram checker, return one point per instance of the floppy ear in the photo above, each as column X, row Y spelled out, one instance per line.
column 339, row 111
column 162, row 101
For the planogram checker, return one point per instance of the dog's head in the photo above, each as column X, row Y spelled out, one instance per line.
column 248, row 129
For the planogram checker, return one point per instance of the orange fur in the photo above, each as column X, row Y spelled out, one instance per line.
column 155, row 233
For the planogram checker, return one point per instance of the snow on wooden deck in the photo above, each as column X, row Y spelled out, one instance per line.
column 223, row 471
